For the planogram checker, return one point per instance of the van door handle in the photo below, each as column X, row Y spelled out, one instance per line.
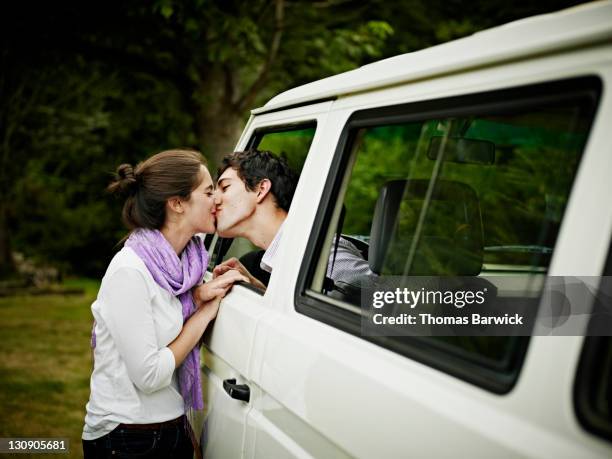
column 237, row 391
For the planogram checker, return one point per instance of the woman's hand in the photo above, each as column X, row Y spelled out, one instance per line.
column 193, row 329
column 217, row 287
column 234, row 264
column 209, row 309
column 207, row 298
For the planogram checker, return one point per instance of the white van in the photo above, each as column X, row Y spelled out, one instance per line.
column 524, row 116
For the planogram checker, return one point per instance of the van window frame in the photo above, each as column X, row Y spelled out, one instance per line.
column 314, row 305
column 586, row 376
column 260, row 132
column 256, row 136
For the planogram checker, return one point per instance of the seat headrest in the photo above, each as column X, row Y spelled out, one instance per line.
column 451, row 237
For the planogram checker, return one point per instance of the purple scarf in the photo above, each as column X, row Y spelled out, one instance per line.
column 177, row 276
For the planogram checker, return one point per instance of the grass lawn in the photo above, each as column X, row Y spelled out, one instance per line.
column 45, row 364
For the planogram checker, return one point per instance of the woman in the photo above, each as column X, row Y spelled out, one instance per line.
column 147, row 323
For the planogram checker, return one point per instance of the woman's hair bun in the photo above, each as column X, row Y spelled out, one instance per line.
column 126, row 182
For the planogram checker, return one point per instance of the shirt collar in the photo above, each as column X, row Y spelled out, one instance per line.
column 269, row 256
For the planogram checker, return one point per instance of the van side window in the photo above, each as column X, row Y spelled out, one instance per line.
column 291, row 142
column 470, row 186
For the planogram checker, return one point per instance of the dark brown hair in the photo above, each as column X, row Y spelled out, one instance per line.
column 148, row 186
column 252, row 166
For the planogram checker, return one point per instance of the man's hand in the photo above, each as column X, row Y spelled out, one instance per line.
column 234, row 264
column 217, row 287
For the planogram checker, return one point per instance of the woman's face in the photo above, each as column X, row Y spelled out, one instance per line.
column 199, row 210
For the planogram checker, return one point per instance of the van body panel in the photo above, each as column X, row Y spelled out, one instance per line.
column 318, row 391
column 355, row 392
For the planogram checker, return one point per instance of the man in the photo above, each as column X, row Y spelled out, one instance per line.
column 252, row 198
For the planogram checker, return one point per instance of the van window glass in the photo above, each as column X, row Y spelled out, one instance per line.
column 290, row 142
column 522, row 194
column 479, row 192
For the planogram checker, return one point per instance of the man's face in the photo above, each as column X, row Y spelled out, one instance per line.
column 234, row 204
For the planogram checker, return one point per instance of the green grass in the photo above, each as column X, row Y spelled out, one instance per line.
column 45, row 364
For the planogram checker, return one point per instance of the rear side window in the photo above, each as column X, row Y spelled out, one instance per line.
column 291, row 142
column 474, row 186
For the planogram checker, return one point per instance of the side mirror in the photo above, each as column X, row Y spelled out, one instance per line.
column 461, row 150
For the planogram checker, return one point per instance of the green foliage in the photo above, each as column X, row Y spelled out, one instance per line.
column 336, row 52
column 452, row 29
column 75, row 138
column 291, row 145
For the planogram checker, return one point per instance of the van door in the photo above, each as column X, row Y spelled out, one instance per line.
column 229, row 346
column 325, row 388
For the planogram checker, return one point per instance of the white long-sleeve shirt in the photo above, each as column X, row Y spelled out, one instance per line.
column 133, row 380
column 349, row 265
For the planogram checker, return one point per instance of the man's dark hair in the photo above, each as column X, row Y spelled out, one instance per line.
column 253, row 166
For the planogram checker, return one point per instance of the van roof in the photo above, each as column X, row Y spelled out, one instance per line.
column 572, row 27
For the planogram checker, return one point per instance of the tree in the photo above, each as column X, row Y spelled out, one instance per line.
column 89, row 86
column 87, row 121
column 20, row 92
column 225, row 57
column 86, row 85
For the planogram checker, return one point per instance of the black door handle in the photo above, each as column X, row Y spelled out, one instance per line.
column 237, row 391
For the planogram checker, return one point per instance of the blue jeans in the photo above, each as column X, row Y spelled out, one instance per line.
column 166, row 442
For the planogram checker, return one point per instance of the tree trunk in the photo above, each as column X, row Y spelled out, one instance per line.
column 218, row 133
column 7, row 263
column 219, row 122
